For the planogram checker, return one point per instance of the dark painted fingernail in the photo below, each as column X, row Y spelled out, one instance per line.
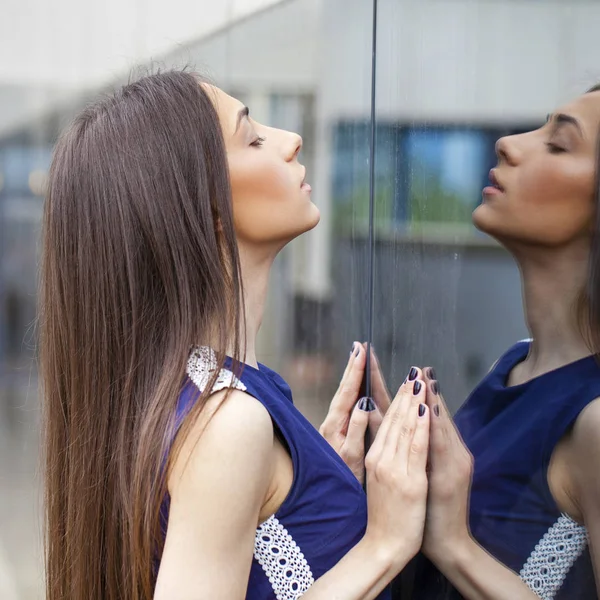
column 421, row 410
column 431, row 373
column 366, row 404
column 436, row 410
column 416, row 387
column 435, row 388
column 353, row 348
column 412, row 374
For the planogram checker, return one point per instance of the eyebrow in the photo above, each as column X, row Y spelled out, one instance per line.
column 562, row 119
column 244, row 112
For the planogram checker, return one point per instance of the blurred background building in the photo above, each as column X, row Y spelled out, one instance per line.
column 452, row 77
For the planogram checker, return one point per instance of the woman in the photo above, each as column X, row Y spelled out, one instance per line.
column 177, row 466
column 531, row 527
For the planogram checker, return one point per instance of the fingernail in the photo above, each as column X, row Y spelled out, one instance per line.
column 353, row 348
column 435, row 388
column 416, row 387
column 366, row 404
column 412, row 374
column 436, row 410
column 421, row 410
column 431, row 373
column 357, row 349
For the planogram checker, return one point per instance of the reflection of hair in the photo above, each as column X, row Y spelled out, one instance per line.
column 593, row 288
column 140, row 263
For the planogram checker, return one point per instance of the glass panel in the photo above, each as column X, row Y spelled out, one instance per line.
column 452, row 78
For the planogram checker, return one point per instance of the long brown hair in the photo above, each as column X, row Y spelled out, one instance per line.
column 140, row 263
column 591, row 299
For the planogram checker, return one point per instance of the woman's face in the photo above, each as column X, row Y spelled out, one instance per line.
column 271, row 201
column 542, row 190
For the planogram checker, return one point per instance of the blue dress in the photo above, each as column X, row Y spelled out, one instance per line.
column 325, row 512
column 512, row 432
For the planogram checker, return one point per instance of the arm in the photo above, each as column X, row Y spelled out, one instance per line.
column 584, row 466
column 447, row 543
column 479, row 576
column 218, row 485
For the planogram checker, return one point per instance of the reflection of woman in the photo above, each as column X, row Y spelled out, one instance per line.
column 533, row 424
column 165, row 201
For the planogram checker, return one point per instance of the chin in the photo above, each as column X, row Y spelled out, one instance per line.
column 484, row 219
column 310, row 219
column 315, row 217
column 308, row 222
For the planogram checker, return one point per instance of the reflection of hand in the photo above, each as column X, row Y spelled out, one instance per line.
column 451, row 468
column 379, row 392
column 344, row 427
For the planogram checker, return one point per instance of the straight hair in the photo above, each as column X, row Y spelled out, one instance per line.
column 591, row 302
column 139, row 264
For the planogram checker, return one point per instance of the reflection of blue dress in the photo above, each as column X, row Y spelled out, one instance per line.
column 325, row 513
column 511, row 432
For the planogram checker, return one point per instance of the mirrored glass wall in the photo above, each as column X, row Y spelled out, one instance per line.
column 397, row 158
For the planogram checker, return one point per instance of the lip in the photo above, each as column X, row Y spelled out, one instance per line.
column 303, row 185
column 496, row 185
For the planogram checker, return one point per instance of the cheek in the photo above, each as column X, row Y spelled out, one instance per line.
column 550, row 202
column 560, row 196
column 265, row 198
column 256, row 179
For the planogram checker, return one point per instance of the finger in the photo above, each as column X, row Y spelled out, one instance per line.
column 433, row 397
column 353, row 355
column 418, row 454
column 442, row 429
column 429, row 374
column 438, row 440
column 349, row 389
column 381, row 395
column 375, row 419
column 406, row 431
column 402, row 422
column 354, row 444
column 402, row 396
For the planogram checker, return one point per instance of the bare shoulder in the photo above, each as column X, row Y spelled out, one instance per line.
column 218, row 485
column 584, row 451
column 585, row 438
column 232, row 431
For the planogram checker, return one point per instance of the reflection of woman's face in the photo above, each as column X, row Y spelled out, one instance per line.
column 271, row 202
column 546, row 181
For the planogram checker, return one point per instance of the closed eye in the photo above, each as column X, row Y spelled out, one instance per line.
column 554, row 149
column 258, row 142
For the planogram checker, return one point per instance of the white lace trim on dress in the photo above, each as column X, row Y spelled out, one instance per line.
column 282, row 561
column 553, row 556
column 201, row 366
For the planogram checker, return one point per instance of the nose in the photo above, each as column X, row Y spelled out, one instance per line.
column 295, row 145
column 507, row 150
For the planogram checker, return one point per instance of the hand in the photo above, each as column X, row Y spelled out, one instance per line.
column 348, row 417
column 450, row 474
column 396, row 474
column 380, row 394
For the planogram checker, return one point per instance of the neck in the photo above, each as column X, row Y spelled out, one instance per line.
column 552, row 286
column 256, row 270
